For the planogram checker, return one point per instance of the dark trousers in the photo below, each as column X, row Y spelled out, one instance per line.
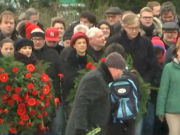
column 148, row 120
column 125, row 128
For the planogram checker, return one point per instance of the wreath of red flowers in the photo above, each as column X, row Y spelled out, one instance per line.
column 28, row 96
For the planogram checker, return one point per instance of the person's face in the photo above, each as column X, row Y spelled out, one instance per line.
column 66, row 42
column 132, row 30
column 52, row 43
column 38, row 42
column 105, row 29
column 26, row 50
column 85, row 21
column 7, row 48
column 170, row 35
column 116, row 73
column 80, row 45
column 60, row 28
column 7, row 25
column 113, row 18
column 98, row 39
column 146, row 18
column 156, row 11
column 34, row 19
column 167, row 17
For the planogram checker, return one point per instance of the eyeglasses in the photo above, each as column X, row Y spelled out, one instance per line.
column 133, row 28
column 147, row 17
column 110, row 16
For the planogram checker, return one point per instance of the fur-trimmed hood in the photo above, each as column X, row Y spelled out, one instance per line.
column 157, row 25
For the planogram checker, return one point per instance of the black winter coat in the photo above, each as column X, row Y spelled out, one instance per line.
column 51, row 56
column 92, row 102
column 95, row 55
column 142, row 53
column 70, row 70
column 14, row 36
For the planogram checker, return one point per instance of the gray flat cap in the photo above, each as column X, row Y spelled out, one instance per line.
column 170, row 26
column 113, row 10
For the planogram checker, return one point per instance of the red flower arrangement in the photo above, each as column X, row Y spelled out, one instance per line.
column 25, row 94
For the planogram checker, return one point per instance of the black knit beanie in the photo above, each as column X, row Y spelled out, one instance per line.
column 115, row 60
column 23, row 42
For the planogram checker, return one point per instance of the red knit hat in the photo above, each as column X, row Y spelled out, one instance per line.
column 29, row 27
column 158, row 43
column 52, row 34
column 78, row 35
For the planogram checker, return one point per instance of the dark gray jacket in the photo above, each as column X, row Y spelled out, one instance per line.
column 92, row 103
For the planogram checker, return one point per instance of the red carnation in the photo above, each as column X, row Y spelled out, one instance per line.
column 47, row 102
column 21, row 111
column 133, row 70
column 45, row 114
column 103, row 59
column 44, row 77
column 38, row 102
column 21, row 122
column 89, row 65
column 1, row 69
column 46, row 89
column 34, row 92
column 32, row 112
column 26, row 127
column 1, row 121
column 21, row 105
column 31, row 101
column 41, row 97
column 15, row 96
column 10, row 102
column 6, row 111
column 17, row 89
column 13, row 130
column 61, row 75
column 30, row 67
column 30, row 86
column 93, row 67
column 15, row 69
column 50, row 96
column 28, row 75
column 11, row 123
column 42, row 127
column 5, row 97
column 3, row 77
column 8, row 88
column 25, row 117
column 40, row 116
column 42, row 108
column 29, row 123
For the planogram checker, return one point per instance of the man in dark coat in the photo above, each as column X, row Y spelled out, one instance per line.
column 92, row 102
column 46, row 54
column 97, row 42
column 7, row 24
column 143, row 55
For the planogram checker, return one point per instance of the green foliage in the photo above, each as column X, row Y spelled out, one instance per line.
column 94, row 132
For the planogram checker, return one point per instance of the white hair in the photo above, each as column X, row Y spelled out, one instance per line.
column 81, row 27
column 91, row 32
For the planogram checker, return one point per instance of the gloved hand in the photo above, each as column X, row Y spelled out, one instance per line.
column 80, row 132
column 57, row 102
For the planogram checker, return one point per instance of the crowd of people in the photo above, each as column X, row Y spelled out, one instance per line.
column 150, row 36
